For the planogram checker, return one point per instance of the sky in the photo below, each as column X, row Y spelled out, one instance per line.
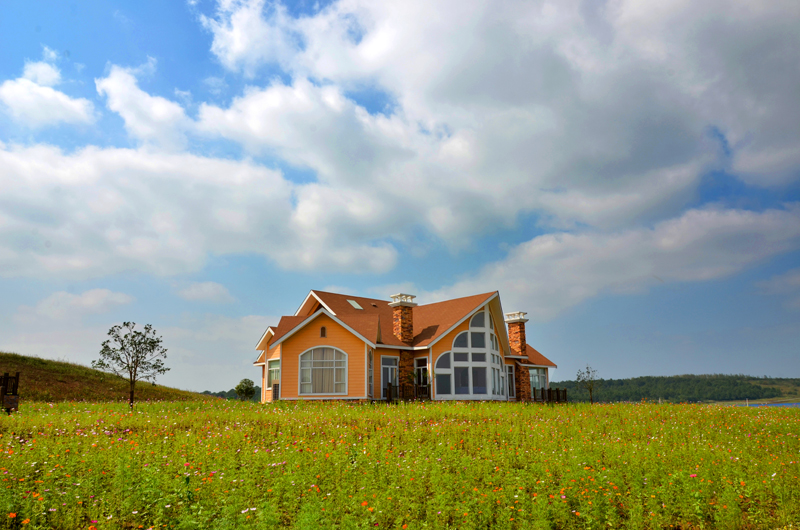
column 624, row 171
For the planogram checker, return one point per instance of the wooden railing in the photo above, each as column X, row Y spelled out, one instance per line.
column 407, row 392
column 276, row 391
column 549, row 395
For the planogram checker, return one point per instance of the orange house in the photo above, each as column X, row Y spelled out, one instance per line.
column 338, row 346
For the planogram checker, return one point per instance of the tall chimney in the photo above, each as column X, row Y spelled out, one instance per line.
column 403, row 316
column 516, row 332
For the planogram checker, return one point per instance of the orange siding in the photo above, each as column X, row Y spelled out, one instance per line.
column 337, row 337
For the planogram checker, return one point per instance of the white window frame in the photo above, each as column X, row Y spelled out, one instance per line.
column 511, row 381
column 370, row 372
column 493, row 360
column 300, row 373
column 380, row 388
column 268, row 385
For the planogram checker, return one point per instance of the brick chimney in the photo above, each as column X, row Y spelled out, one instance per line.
column 516, row 332
column 403, row 316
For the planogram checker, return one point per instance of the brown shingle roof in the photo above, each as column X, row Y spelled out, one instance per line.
column 430, row 320
column 537, row 358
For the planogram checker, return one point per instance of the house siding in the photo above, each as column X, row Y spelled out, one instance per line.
column 337, row 337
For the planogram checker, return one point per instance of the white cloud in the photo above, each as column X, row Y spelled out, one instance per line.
column 63, row 305
column 96, row 212
column 153, row 120
column 206, row 292
column 593, row 114
column 42, row 73
column 551, row 273
column 32, row 102
column 248, row 33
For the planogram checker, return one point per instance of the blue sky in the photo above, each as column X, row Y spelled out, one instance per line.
column 629, row 176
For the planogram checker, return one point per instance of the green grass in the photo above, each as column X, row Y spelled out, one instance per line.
column 53, row 381
column 229, row 464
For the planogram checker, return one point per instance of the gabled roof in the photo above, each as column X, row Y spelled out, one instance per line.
column 537, row 358
column 431, row 321
column 374, row 320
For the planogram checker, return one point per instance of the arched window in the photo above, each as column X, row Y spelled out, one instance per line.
column 474, row 368
column 323, row 332
column 323, row 371
column 443, row 375
column 478, row 320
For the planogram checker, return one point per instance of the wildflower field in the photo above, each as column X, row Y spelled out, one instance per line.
column 433, row 465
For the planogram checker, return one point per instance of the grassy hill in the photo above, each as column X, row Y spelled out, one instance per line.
column 46, row 380
column 687, row 388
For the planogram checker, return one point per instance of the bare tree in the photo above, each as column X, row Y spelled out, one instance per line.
column 137, row 355
column 588, row 379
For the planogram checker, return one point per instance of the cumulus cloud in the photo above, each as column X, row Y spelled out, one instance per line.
column 63, row 305
column 152, row 120
column 589, row 114
column 32, row 101
column 96, row 212
column 206, row 292
column 551, row 273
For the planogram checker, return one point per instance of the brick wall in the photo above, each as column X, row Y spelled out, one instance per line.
column 403, row 323
column 516, row 338
column 522, row 383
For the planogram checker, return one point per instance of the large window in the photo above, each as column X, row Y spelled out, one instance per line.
column 538, row 378
column 323, row 371
column 474, row 367
column 273, row 373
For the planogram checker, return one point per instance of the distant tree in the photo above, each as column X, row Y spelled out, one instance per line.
column 137, row 355
column 245, row 390
column 588, row 379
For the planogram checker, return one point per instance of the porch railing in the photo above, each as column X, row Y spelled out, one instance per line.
column 549, row 395
column 407, row 392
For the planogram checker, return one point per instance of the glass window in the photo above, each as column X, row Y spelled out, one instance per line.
column 323, row 371
column 461, row 357
column 421, row 363
column 478, row 340
column 323, row 332
column 461, row 379
column 443, row 384
column 478, row 380
column 443, row 362
column 491, row 322
column 479, row 357
column 461, row 341
column 477, row 320
column 510, row 380
column 389, row 361
column 273, row 373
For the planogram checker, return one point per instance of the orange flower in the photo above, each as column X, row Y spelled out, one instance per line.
column 371, row 508
column 12, row 515
column 405, row 526
column 364, row 503
column 26, row 521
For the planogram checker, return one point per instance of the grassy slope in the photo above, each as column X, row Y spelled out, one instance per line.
column 46, row 380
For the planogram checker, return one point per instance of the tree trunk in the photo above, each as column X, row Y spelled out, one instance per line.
column 130, row 401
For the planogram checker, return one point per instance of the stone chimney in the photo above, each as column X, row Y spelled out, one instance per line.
column 403, row 316
column 516, row 332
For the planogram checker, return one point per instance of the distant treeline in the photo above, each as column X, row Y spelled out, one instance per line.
column 684, row 388
column 231, row 394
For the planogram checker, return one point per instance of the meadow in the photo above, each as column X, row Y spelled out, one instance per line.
column 225, row 464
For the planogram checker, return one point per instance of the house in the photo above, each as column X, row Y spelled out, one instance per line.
column 338, row 346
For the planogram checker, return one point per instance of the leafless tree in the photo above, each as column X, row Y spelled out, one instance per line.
column 588, row 379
